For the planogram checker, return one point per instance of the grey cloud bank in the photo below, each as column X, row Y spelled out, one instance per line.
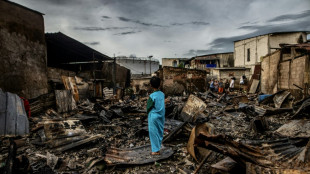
column 176, row 28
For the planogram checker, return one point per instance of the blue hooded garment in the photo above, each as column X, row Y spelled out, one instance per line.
column 156, row 119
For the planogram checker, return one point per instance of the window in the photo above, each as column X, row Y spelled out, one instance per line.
column 174, row 63
column 248, row 55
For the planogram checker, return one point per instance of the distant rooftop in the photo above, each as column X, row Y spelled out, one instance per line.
column 213, row 54
column 176, row 58
column 274, row 33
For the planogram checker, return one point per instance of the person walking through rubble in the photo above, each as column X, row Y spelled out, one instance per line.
column 232, row 84
column 156, row 116
column 212, row 85
column 221, row 86
column 216, row 86
column 226, row 85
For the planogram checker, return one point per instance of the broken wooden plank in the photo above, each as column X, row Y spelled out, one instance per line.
column 64, row 141
column 254, row 86
column 78, row 143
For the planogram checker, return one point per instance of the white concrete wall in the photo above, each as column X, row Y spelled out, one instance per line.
column 138, row 66
column 260, row 46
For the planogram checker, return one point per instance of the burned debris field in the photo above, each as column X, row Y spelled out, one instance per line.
column 206, row 132
column 203, row 90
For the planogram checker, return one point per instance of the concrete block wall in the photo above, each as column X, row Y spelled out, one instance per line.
column 224, row 74
column 22, row 51
column 22, row 65
column 269, row 73
column 283, row 80
column 297, row 72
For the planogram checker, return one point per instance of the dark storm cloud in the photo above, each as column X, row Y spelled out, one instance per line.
column 194, row 27
column 227, row 43
column 198, row 52
column 127, row 32
column 139, row 22
column 200, row 23
column 106, row 17
column 291, row 16
column 91, row 43
column 101, row 28
column 193, row 23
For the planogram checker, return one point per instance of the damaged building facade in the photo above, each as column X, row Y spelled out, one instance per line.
column 287, row 69
column 23, row 51
column 248, row 52
column 216, row 60
column 176, row 81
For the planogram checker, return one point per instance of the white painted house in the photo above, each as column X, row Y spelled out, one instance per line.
column 248, row 52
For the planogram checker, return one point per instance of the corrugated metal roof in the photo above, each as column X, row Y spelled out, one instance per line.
column 13, row 117
column 63, row 49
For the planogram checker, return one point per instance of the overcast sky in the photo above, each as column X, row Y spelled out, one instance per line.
column 169, row 28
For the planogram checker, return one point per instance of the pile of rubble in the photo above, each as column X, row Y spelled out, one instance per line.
column 204, row 133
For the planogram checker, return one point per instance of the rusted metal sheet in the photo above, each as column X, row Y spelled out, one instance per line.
column 198, row 153
column 277, row 155
column 303, row 109
column 256, row 169
column 260, row 110
column 13, row 117
column 226, row 166
column 192, row 108
column 280, row 97
column 138, row 155
column 295, row 129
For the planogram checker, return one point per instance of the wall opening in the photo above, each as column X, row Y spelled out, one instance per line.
column 248, row 55
column 174, row 63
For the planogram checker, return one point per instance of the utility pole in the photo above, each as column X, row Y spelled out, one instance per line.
column 94, row 75
column 114, row 75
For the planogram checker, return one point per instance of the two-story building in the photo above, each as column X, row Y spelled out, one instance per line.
column 217, row 60
column 174, row 62
column 248, row 52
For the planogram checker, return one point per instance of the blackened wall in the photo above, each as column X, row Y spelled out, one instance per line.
column 122, row 75
column 22, row 51
column 177, row 80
